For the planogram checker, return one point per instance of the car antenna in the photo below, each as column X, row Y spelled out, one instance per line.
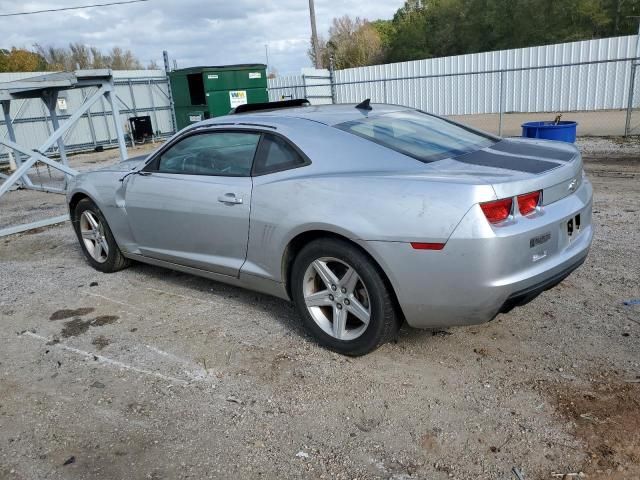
column 365, row 105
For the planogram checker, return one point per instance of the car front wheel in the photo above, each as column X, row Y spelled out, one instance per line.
column 342, row 297
column 96, row 239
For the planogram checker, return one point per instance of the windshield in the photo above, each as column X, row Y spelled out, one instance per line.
column 422, row 136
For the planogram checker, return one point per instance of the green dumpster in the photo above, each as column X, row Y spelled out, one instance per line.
column 205, row 92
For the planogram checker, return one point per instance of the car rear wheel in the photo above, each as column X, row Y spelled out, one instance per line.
column 342, row 297
column 96, row 239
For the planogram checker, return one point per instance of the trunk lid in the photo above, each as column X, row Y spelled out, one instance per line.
column 517, row 166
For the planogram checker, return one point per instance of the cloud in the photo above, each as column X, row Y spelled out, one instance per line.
column 195, row 32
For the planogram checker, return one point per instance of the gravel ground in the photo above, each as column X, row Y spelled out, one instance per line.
column 152, row 374
column 609, row 147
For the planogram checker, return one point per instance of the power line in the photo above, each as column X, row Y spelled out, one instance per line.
column 15, row 14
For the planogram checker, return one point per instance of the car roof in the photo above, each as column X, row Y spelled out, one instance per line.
column 325, row 114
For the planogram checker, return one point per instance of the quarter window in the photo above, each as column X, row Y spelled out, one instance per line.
column 228, row 154
column 276, row 154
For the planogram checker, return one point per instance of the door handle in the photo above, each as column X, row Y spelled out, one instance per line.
column 230, row 198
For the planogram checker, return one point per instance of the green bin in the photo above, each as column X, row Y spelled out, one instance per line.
column 214, row 91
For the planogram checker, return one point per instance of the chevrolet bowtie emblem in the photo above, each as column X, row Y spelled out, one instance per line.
column 573, row 184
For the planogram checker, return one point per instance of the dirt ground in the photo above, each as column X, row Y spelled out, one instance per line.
column 152, row 374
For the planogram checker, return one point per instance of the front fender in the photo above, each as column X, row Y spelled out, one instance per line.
column 102, row 188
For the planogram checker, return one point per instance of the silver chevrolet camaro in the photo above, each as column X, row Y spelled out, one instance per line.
column 363, row 215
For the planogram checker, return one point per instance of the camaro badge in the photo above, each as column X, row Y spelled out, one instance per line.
column 539, row 240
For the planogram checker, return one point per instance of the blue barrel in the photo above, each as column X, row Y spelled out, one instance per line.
column 562, row 131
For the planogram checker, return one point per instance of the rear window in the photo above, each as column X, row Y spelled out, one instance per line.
column 422, row 136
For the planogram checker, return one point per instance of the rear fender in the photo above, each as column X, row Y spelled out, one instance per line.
column 361, row 207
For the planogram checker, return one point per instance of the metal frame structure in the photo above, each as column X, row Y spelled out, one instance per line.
column 90, row 138
column 47, row 88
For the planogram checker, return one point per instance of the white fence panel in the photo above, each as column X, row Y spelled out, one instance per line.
column 457, row 86
column 284, row 88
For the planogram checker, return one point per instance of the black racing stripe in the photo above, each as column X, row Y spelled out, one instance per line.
column 533, row 150
column 520, row 164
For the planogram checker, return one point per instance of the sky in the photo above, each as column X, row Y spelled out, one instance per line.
column 194, row 32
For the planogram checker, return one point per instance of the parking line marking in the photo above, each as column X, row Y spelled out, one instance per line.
column 186, row 297
column 198, row 373
column 114, row 301
column 107, row 361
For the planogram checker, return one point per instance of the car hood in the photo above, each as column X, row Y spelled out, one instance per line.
column 125, row 166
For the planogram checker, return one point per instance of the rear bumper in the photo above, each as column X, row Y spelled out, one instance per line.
column 485, row 270
column 523, row 297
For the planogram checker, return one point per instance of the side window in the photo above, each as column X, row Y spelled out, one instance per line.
column 228, row 154
column 275, row 155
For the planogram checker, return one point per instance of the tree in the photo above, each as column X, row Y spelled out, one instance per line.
column 80, row 56
column 20, row 60
column 435, row 28
column 411, row 38
column 386, row 30
column 77, row 56
column 352, row 43
column 56, row 58
column 97, row 58
column 120, row 59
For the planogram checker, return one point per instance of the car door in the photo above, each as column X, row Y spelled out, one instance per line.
column 190, row 205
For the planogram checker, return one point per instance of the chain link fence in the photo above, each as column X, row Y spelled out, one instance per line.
column 596, row 94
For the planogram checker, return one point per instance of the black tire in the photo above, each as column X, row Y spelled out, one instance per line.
column 384, row 320
column 114, row 260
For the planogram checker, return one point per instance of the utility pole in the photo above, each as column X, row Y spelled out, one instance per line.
column 266, row 54
column 314, row 35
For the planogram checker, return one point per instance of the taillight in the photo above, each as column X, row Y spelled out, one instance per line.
column 497, row 210
column 528, row 202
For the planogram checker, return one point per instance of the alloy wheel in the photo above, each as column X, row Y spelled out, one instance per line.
column 337, row 298
column 93, row 236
